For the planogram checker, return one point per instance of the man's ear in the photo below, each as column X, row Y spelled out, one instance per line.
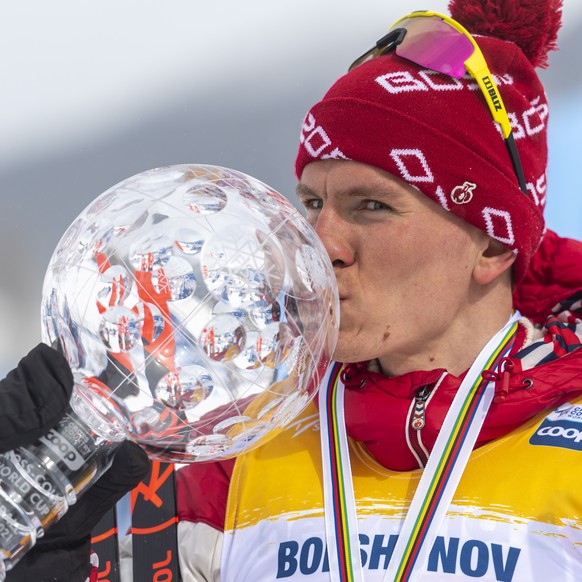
column 494, row 260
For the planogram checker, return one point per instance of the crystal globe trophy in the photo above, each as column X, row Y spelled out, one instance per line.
column 197, row 309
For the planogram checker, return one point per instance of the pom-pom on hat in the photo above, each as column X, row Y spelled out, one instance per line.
column 436, row 133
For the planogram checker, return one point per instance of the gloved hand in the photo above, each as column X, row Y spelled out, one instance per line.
column 62, row 555
column 33, row 397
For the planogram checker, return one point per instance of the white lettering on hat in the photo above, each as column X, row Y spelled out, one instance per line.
column 530, row 122
column 316, row 141
column 400, row 82
column 307, row 126
column 516, row 127
column 446, row 83
column 535, row 117
column 427, row 79
column 537, row 190
column 463, row 193
column 541, row 184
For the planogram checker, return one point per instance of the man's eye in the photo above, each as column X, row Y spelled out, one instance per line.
column 313, row 204
column 375, row 205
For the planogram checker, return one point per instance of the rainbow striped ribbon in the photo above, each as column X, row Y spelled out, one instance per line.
column 439, row 480
column 341, row 521
column 447, row 460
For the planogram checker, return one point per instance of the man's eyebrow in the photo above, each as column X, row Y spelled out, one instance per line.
column 372, row 191
column 303, row 190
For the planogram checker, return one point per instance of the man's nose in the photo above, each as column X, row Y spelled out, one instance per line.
column 334, row 234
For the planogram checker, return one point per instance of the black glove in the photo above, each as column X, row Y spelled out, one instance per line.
column 33, row 397
column 62, row 555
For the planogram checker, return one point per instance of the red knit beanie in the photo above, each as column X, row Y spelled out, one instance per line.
column 436, row 132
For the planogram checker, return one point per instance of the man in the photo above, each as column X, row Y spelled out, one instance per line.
column 434, row 225
column 432, row 215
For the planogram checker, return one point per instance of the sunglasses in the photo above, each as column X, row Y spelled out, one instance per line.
column 439, row 43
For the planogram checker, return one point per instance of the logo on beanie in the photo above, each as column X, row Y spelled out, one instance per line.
column 463, row 194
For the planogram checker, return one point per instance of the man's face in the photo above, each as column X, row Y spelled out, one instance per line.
column 403, row 264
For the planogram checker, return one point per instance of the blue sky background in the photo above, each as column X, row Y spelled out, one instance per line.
column 564, row 206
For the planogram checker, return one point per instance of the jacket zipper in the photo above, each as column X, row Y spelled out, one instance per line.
column 417, row 422
column 418, row 419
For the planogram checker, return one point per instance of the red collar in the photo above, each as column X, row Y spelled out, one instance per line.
column 380, row 409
